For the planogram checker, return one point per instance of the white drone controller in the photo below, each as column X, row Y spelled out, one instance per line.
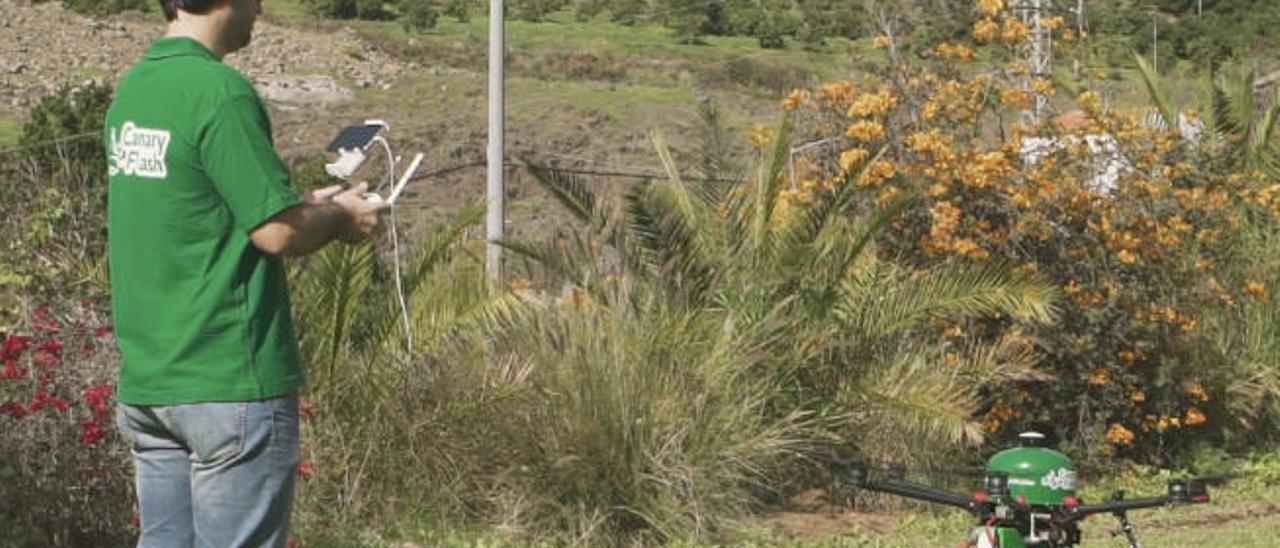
column 374, row 198
column 351, row 145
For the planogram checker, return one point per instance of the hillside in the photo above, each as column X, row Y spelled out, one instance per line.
column 581, row 95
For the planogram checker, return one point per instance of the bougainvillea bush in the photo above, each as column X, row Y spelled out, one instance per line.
column 65, row 475
column 63, row 467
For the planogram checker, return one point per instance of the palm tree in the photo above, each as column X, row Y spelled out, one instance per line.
column 856, row 345
column 1230, row 115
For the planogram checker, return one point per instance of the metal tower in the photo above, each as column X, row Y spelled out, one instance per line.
column 1038, row 52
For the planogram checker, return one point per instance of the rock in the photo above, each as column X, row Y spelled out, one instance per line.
column 303, row 90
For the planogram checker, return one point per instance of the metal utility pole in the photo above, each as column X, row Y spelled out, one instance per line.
column 1038, row 51
column 1081, row 23
column 497, row 138
column 1155, row 41
column 1080, row 19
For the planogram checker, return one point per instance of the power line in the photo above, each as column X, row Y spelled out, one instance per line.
column 637, row 175
column 69, row 138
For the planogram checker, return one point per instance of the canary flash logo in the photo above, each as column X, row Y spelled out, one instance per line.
column 139, row 152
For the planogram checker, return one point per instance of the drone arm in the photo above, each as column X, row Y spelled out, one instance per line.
column 1113, row 506
column 919, row 492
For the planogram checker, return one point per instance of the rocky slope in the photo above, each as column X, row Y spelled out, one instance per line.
column 45, row 46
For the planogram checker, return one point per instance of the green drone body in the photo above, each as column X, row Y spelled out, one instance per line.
column 1037, row 476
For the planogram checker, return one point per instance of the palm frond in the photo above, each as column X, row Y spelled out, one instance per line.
column 1243, row 100
column 1266, row 151
column 1009, row 359
column 1206, row 97
column 569, row 190
column 915, row 399
column 330, row 290
column 1224, row 114
column 1156, row 91
column 874, row 309
column 664, row 154
column 842, row 254
column 670, row 242
column 437, row 249
column 1267, row 127
column 769, row 179
column 813, row 219
column 567, row 258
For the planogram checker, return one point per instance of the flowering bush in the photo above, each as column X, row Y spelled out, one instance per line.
column 1151, row 233
column 59, row 453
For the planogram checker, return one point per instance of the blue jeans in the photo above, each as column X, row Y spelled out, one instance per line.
column 214, row 475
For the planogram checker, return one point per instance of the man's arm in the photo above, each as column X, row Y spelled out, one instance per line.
column 328, row 214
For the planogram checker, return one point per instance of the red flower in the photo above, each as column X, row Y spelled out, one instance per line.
column 306, row 470
column 13, row 347
column 39, row 402
column 90, row 432
column 12, row 371
column 306, row 409
column 103, row 331
column 60, row 404
column 97, row 396
column 136, row 520
column 49, row 353
column 14, row 409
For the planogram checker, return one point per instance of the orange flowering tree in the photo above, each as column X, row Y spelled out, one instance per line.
column 1151, row 230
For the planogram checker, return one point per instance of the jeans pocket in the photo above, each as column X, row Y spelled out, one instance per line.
column 214, row 432
column 126, row 424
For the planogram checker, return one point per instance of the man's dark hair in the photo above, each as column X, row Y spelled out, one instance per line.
column 198, row 7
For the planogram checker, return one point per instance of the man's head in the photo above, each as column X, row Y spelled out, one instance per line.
column 227, row 23
column 198, row 7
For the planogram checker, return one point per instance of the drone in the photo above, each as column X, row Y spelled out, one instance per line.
column 1030, row 498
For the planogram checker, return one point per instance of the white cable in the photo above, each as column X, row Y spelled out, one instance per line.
column 404, row 308
column 391, row 164
column 395, row 249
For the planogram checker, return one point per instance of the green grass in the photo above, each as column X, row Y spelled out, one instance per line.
column 289, row 10
column 10, row 130
column 1241, row 516
column 644, row 54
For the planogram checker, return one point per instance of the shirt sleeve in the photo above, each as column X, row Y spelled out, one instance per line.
column 241, row 160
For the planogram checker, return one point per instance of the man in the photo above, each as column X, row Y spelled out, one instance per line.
column 200, row 212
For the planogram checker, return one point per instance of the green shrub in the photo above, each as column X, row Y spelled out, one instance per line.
column 534, row 10
column 107, row 7
column 419, row 15
column 56, row 186
column 349, row 9
column 460, row 9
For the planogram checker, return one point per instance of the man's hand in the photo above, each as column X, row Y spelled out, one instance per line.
column 325, row 194
column 362, row 214
column 326, row 214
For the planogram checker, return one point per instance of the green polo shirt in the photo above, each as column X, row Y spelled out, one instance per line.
column 201, row 314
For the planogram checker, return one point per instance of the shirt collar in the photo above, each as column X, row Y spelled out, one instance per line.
column 178, row 46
